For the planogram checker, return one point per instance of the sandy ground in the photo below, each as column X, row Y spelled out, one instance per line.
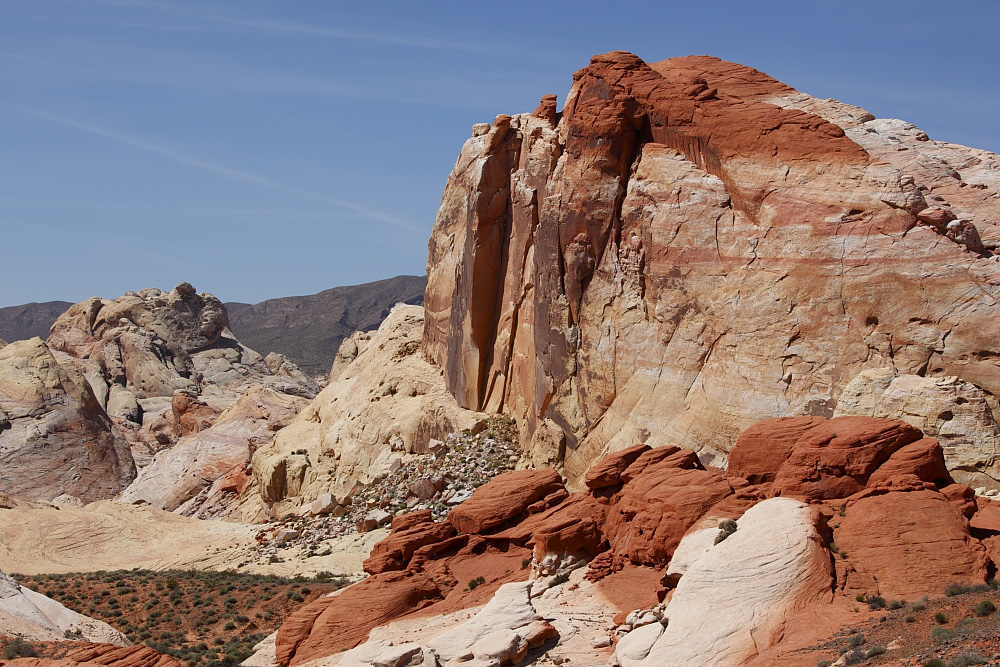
column 112, row 536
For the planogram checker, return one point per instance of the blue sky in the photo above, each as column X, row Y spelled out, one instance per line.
column 264, row 149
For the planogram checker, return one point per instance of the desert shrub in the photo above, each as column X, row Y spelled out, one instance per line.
column 910, row 618
column 918, row 606
column 875, row 651
column 984, row 608
column 935, row 662
column 823, row 663
column 964, row 625
column 171, row 583
column 856, row 639
column 876, row 602
column 478, row 581
column 559, row 579
column 17, row 648
column 940, row 618
column 860, row 597
column 897, row 604
column 940, row 634
column 854, row 656
column 726, row 528
column 832, row 546
column 967, row 658
column 959, row 589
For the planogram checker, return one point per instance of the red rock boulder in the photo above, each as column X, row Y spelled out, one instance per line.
column 334, row 623
column 503, row 498
column 409, row 533
column 822, row 459
column 911, row 543
column 655, row 508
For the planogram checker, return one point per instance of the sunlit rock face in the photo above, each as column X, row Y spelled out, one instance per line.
column 691, row 246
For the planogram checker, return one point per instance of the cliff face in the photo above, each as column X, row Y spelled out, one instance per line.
column 692, row 246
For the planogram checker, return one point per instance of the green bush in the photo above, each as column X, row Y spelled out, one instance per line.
column 935, row 662
column 726, row 528
column 897, row 604
column 875, row 651
column 984, row 608
column 910, row 618
column 960, row 589
column 876, row 602
column 559, row 579
column 967, row 658
column 16, row 648
column 478, row 581
column 940, row 618
column 854, row 656
column 940, row 634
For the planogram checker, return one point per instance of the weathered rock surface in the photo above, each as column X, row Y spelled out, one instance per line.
column 86, row 654
column 954, row 412
column 503, row 498
column 821, row 459
column 500, row 633
column 911, row 542
column 35, row 617
column 55, row 438
column 150, row 345
column 691, row 246
column 179, row 474
column 733, row 601
column 883, row 517
column 386, row 403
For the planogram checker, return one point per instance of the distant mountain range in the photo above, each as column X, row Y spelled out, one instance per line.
column 30, row 319
column 306, row 329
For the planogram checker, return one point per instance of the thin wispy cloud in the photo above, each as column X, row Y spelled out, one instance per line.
column 217, row 169
column 207, row 19
column 291, row 27
column 14, row 55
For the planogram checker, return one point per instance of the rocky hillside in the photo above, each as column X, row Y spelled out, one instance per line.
column 30, row 319
column 662, row 560
column 309, row 329
column 119, row 380
column 691, row 246
column 306, row 329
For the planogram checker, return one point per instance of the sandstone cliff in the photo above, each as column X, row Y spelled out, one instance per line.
column 55, row 437
column 691, row 246
column 383, row 402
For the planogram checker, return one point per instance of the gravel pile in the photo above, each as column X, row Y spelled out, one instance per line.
column 436, row 481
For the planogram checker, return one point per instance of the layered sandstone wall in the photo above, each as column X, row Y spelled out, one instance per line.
column 691, row 246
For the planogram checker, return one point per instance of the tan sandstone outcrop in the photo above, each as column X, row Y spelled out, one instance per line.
column 954, row 412
column 35, row 617
column 55, row 438
column 179, row 474
column 691, row 246
column 141, row 350
column 386, row 403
